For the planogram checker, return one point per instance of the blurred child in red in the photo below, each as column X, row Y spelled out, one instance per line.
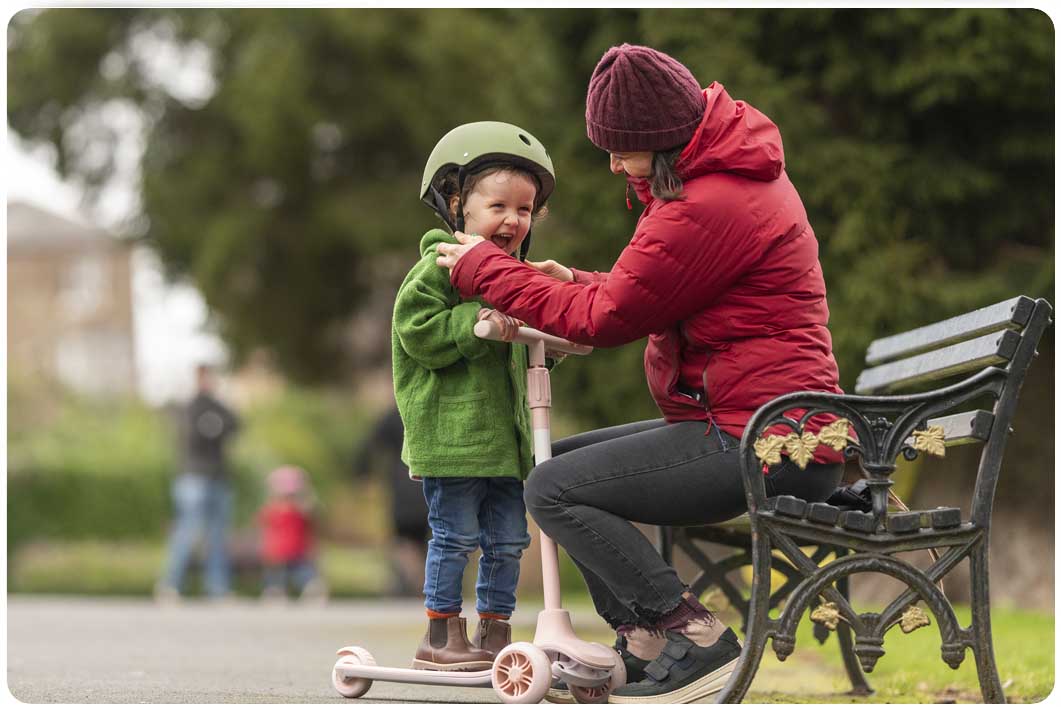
column 287, row 546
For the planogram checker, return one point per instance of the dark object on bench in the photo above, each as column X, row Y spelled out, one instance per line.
column 854, row 497
column 991, row 348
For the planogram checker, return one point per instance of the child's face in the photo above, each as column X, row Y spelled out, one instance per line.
column 500, row 208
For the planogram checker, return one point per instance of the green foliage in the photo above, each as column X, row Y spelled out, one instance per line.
column 96, row 471
column 921, row 142
column 102, row 471
column 314, row 429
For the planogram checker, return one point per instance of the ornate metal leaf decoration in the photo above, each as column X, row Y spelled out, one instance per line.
column 801, row 448
column 931, row 441
column 768, row 449
column 827, row 615
column 836, row 434
column 913, row 619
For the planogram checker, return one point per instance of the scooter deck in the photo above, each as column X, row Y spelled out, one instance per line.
column 477, row 678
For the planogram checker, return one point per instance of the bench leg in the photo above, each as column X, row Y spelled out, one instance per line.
column 983, row 648
column 758, row 623
column 859, row 686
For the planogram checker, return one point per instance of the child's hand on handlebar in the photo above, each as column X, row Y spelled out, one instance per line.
column 553, row 269
column 509, row 325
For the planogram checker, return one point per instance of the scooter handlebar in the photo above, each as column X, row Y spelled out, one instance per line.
column 526, row 335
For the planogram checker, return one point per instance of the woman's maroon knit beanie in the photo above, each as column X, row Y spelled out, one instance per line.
column 641, row 100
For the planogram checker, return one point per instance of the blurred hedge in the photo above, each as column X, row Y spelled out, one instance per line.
column 94, row 470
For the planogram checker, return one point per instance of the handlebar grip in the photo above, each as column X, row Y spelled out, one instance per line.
column 487, row 329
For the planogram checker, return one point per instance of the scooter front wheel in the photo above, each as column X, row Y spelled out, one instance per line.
column 521, row 673
column 351, row 656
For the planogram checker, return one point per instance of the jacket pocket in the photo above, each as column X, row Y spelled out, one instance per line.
column 463, row 420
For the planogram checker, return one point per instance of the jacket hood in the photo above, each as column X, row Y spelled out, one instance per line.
column 733, row 137
column 432, row 238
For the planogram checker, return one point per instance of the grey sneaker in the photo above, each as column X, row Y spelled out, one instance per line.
column 684, row 672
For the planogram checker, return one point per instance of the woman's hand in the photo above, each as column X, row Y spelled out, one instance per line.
column 509, row 325
column 449, row 254
column 553, row 269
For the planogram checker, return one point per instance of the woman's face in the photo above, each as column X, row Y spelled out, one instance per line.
column 635, row 164
column 499, row 209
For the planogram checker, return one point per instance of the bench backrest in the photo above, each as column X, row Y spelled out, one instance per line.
column 969, row 342
column 1003, row 335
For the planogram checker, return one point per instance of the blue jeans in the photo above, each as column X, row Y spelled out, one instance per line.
column 467, row 513
column 203, row 506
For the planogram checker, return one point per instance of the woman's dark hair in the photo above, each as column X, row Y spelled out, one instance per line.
column 665, row 182
column 450, row 188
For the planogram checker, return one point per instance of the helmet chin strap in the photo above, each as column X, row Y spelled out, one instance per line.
column 461, row 176
column 442, row 209
column 524, row 247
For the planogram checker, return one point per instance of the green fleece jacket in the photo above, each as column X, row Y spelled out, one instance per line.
column 463, row 399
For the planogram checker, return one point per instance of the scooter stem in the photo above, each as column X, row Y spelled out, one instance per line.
column 554, row 632
column 539, row 399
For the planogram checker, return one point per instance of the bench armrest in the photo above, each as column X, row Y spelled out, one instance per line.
column 879, row 429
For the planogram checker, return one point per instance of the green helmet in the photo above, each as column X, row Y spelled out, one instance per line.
column 473, row 146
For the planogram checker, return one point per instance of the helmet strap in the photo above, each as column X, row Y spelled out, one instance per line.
column 442, row 208
column 462, row 174
column 524, row 247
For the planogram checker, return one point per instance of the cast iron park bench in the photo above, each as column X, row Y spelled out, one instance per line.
column 984, row 356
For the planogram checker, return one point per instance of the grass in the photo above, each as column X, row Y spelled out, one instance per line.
column 95, row 567
column 911, row 670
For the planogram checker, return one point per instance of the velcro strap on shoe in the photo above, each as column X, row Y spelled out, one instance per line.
column 674, row 650
column 656, row 671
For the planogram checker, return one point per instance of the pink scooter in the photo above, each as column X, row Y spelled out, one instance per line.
column 522, row 672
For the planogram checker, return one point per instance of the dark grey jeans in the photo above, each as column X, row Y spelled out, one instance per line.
column 597, row 483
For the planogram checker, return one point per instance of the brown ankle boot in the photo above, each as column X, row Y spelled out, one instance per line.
column 492, row 635
column 445, row 647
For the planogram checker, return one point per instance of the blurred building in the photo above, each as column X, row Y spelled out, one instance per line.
column 69, row 304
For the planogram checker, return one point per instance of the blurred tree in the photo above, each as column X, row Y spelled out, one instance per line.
column 920, row 140
column 276, row 189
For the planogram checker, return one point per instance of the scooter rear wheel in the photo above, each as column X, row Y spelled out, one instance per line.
column 351, row 656
column 590, row 695
column 521, row 673
column 599, row 694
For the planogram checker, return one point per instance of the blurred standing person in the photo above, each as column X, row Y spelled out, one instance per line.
column 202, row 495
column 408, row 510
column 287, row 547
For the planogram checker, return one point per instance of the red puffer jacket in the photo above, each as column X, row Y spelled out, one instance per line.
column 726, row 283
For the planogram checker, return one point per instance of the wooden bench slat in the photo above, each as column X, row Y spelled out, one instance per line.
column 964, row 427
column 957, row 358
column 1011, row 314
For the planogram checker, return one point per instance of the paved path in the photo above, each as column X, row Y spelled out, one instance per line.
column 131, row 651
